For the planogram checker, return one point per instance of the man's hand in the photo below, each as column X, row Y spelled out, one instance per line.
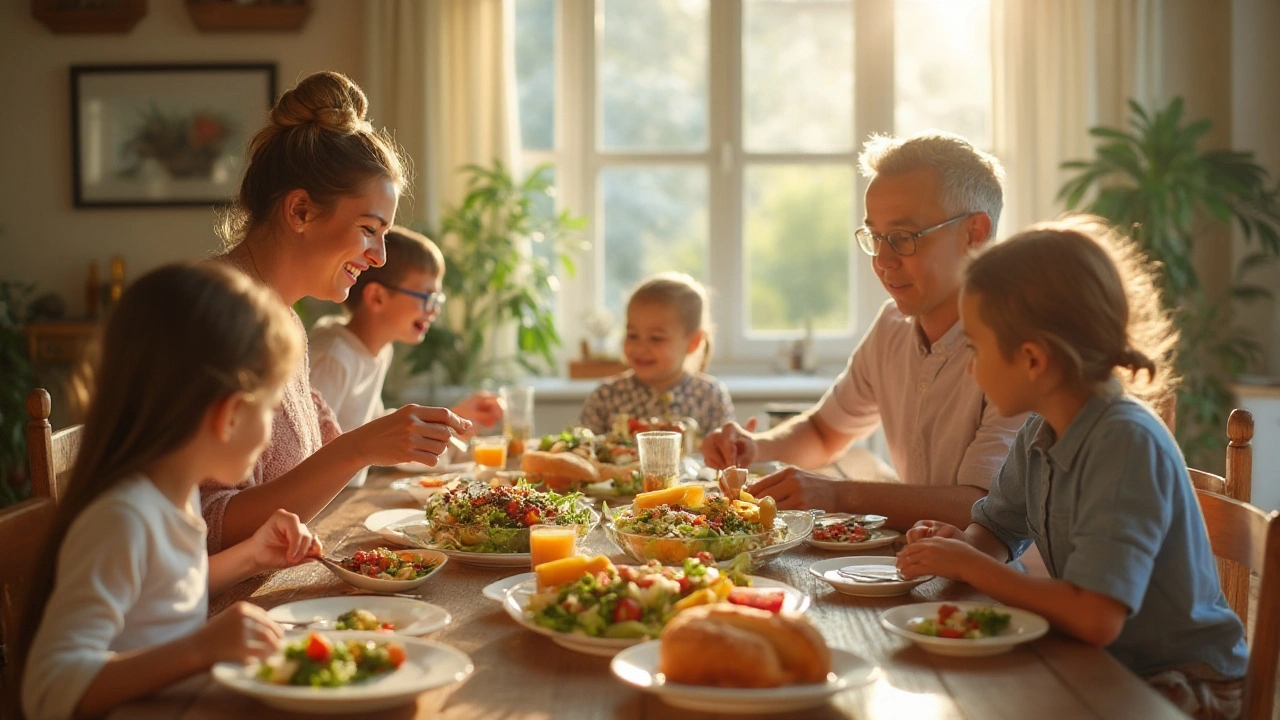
column 730, row 444
column 796, row 489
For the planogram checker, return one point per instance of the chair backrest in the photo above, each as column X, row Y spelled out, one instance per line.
column 50, row 455
column 1238, row 485
column 23, row 530
column 1250, row 537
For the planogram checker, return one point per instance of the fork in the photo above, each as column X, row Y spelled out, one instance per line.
column 315, row 622
column 867, row 577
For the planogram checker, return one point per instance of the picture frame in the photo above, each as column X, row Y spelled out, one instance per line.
column 164, row 135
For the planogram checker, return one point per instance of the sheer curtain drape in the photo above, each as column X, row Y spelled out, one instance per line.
column 441, row 76
column 1062, row 66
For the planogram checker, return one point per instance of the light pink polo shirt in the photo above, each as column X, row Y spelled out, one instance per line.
column 938, row 424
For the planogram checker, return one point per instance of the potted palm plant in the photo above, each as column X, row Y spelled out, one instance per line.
column 503, row 245
column 1154, row 182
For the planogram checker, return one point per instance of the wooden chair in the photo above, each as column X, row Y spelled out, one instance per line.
column 1238, row 485
column 23, row 530
column 1246, row 535
column 50, row 454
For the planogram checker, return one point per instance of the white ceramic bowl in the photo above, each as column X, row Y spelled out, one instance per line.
column 392, row 586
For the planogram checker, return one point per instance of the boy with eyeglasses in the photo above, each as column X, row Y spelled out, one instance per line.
column 932, row 199
column 397, row 301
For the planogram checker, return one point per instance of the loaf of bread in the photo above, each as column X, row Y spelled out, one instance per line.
column 731, row 646
column 558, row 471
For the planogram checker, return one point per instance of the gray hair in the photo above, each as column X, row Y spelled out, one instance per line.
column 971, row 180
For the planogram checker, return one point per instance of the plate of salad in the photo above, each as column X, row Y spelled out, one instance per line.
column 346, row 673
column 964, row 629
column 842, row 531
column 477, row 524
column 384, row 570
column 608, row 608
column 401, row 615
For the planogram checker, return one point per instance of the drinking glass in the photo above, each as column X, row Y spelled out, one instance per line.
column 659, row 458
column 490, row 451
column 551, row 542
column 517, row 417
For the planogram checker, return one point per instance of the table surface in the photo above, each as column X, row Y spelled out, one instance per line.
column 519, row 674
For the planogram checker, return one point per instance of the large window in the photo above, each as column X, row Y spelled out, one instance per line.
column 720, row 138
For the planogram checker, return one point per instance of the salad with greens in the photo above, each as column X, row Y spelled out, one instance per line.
column 634, row 601
column 951, row 622
column 317, row 661
column 475, row 517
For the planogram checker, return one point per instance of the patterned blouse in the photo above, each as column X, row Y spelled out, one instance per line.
column 696, row 395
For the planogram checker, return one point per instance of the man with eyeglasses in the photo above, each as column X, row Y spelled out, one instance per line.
column 931, row 200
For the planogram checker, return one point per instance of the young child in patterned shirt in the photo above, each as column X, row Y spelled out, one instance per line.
column 668, row 346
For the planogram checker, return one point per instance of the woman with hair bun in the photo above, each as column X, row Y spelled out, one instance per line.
column 319, row 193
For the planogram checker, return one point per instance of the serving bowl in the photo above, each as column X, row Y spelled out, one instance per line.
column 790, row 528
column 475, row 538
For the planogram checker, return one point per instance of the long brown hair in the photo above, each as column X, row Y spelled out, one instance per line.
column 318, row 138
column 1088, row 294
column 688, row 297
column 182, row 338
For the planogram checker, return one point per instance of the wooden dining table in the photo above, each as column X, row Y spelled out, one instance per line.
column 522, row 675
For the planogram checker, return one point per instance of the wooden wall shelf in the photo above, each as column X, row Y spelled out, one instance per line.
column 230, row 16
column 105, row 16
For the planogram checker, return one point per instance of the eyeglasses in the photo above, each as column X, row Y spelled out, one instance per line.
column 431, row 301
column 903, row 242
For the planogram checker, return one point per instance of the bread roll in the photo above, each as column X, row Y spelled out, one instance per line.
column 559, row 471
column 732, row 646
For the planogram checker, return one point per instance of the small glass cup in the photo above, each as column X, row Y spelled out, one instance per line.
column 659, row 458
column 551, row 542
column 490, row 451
column 517, row 417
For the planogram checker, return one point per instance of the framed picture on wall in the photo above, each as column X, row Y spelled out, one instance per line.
column 164, row 135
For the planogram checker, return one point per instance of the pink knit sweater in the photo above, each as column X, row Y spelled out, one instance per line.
column 301, row 425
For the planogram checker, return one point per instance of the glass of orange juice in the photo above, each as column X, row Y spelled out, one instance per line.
column 490, row 451
column 551, row 542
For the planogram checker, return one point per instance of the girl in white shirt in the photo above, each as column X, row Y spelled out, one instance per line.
column 193, row 362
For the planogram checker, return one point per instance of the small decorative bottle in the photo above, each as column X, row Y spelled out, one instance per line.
column 92, row 292
column 117, row 279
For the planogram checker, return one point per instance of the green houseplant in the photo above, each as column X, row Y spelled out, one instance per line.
column 1154, row 182
column 19, row 377
column 502, row 245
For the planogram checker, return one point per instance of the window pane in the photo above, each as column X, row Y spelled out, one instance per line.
column 797, row 75
column 798, row 237
column 942, row 67
column 535, row 38
column 652, row 74
column 655, row 219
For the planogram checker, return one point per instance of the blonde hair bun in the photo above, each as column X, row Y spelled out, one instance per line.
column 328, row 100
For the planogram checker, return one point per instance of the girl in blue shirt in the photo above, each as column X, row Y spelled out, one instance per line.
column 1094, row 478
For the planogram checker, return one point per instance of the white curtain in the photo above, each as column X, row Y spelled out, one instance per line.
column 1061, row 67
column 440, row 75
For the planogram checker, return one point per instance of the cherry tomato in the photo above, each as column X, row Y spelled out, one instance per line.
column 319, row 648
column 395, row 654
column 770, row 599
column 685, row 585
column 627, row 609
column 946, row 611
column 949, row 632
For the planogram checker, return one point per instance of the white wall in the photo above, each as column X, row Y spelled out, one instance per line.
column 43, row 239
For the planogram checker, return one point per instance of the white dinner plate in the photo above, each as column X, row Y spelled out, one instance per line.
column 1023, row 627
column 876, row 538
column 409, row 616
column 381, row 521
column 638, row 666
column 604, row 490
column 497, row 590
column 829, row 572
column 424, row 486
column 518, row 596
column 425, row 469
column 364, row 582
column 501, row 560
column 427, row 665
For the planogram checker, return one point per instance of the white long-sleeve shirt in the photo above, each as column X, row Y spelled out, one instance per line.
column 347, row 376
column 132, row 573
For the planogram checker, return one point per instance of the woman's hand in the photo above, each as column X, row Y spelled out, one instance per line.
column 283, row 541
column 730, row 444
column 414, row 433
column 482, row 408
column 240, row 632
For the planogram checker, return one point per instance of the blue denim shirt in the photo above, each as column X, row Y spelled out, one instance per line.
column 1111, row 508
